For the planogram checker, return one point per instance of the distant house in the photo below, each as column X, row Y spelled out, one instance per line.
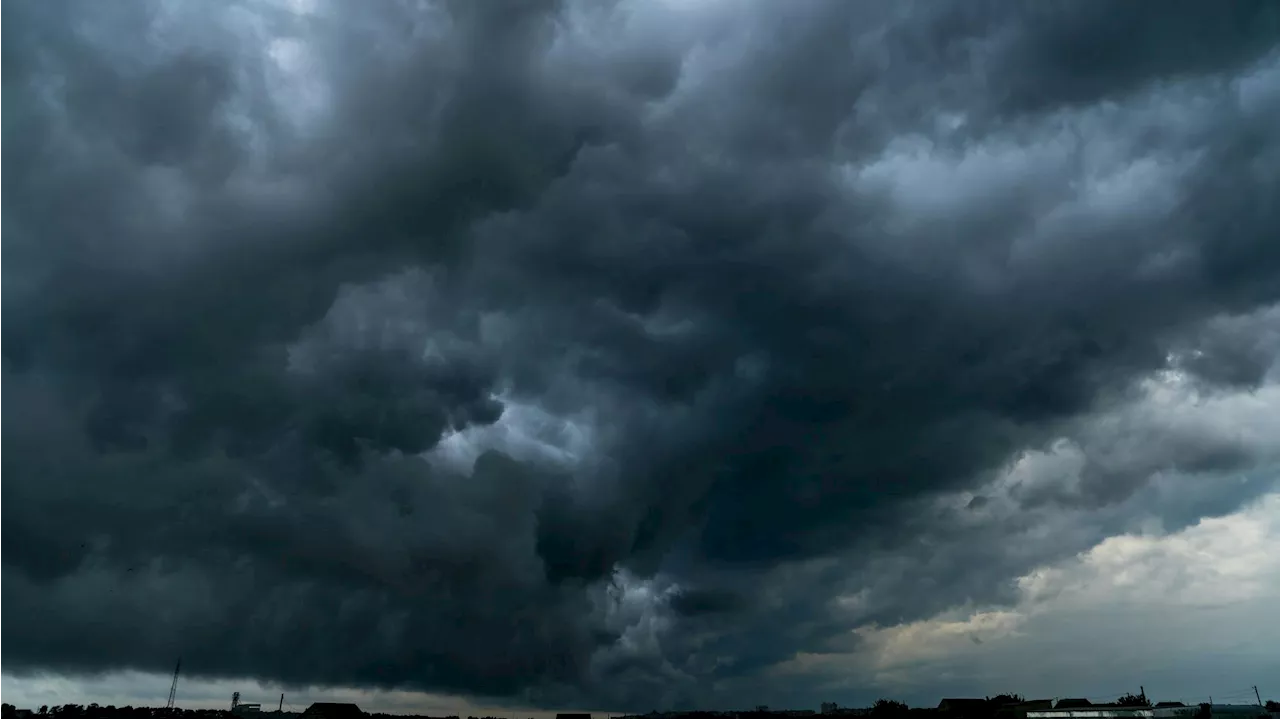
column 962, row 706
column 1234, row 711
column 1116, row 711
column 1019, row 710
column 332, row 710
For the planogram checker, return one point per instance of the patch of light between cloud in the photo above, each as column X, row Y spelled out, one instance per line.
column 525, row 431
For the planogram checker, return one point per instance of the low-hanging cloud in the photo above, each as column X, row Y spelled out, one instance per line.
column 573, row 352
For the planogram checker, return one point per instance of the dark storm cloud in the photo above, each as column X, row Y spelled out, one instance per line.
column 1088, row 51
column 789, row 274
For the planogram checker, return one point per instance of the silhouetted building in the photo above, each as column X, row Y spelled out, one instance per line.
column 332, row 710
column 1115, row 711
column 962, row 706
column 1235, row 711
column 1019, row 710
column 1073, row 704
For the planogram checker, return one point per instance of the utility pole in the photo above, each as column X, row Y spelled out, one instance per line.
column 1256, row 695
column 281, row 707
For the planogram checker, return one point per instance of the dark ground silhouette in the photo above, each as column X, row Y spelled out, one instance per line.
column 1003, row 706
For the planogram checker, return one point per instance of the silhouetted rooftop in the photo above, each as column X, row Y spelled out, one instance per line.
column 332, row 710
column 954, row 704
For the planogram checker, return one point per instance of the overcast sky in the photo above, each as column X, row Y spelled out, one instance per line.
column 475, row 356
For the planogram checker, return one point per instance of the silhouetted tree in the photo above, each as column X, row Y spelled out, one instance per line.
column 1002, row 699
column 1273, row 706
column 1133, row 700
column 888, row 707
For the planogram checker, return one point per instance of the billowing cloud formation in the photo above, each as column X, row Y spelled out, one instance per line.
column 1147, row 598
column 612, row 353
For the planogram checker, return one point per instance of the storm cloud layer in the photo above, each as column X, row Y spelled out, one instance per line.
column 611, row 352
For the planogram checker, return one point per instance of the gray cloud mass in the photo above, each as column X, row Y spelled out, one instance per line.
column 573, row 352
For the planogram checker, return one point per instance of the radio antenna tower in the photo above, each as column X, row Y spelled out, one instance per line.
column 173, row 688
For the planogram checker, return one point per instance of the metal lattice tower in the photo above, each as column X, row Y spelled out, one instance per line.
column 173, row 688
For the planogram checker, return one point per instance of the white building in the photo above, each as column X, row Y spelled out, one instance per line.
column 1228, row 711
